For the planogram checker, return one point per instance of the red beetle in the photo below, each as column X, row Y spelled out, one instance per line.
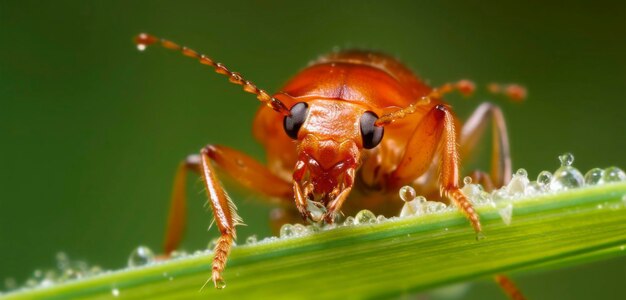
column 344, row 135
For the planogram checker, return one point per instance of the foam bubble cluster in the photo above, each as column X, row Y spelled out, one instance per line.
column 566, row 177
column 65, row 270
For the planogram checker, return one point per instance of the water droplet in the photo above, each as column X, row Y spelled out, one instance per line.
column 315, row 209
column 467, row 180
column 37, row 274
column 349, row 221
column 533, row 189
column 567, row 159
column 251, row 240
column 594, row 176
column 313, row 228
column 299, row 230
column 381, row 219
column 435, row 207
column 518, row 183
column 63, row 260
column 544, row 178
column 141, row 256
column 141, row 47
column 480, row 236
column 566, row 177
column 178, row 254
column 31, row 283
column 365, row 217
column 407, row 193
column 95, row 270
column 500, row 195
column 506, row 213
column 476, row 194
column 115, row 292
column 220, row 284
column 614, row 174
column 286, row 231
column 413, row 208
column 10, row 283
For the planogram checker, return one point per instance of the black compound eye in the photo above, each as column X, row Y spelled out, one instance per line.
column 294, row 121
column 370, row 134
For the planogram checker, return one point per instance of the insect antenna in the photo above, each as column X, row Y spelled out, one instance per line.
column 514, row 92
column 143, row 40
column 464, row 87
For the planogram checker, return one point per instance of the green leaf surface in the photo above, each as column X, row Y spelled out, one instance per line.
column 385, row 259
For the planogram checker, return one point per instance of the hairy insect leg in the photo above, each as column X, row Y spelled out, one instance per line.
column 224, row 212
column 246, row 171
column 177, row 216
column 473, row 131
column 243, row 168
column 436, row 134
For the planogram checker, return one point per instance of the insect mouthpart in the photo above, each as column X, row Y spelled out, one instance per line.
column 320, row 193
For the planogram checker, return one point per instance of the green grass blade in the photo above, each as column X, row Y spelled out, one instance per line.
column 386, row 259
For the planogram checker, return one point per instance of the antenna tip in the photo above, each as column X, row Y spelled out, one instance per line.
column 144, row 40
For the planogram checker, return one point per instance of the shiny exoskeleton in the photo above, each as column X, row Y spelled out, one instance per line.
column 344, row 134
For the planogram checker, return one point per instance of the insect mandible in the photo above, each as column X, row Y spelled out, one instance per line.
column 344, row 134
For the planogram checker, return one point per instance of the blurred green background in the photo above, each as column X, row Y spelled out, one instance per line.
column 92, row 129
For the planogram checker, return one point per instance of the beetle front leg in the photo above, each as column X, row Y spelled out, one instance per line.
column 225, row 214
column 247, row 172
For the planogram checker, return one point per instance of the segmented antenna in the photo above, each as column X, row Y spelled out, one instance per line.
column 144, row 40
column 464, row 87
column 514, row 92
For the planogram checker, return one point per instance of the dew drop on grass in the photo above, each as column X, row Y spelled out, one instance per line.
column 566, row 159
column 614, row 174
column 286, row 231
column 365, row 217
column 220, row 284
column 178, row 254
column 435, row 207
column 381, row 219
column 349, row 221
column 566, row 177
column 407, row 193
column 594, row 176
column 413, row 208
column 506, row 213
column 141, row 256
column 115, row 292
column 251, row 240
column 313, row 228
column 299, row 230
column 518, row 183
column 544, row 178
